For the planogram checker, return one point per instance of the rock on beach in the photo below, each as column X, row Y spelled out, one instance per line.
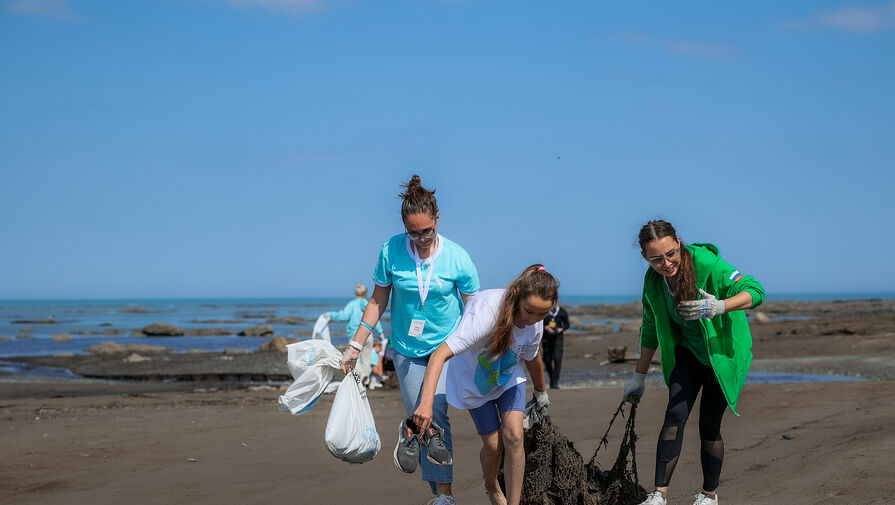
column 160, row 330
column 261, row 330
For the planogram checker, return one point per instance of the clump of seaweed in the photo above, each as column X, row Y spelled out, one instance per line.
column 555, row 472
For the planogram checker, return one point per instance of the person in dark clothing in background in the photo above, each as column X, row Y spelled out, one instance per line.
column 555, row 325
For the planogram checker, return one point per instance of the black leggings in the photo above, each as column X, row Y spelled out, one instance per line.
column 688, row 376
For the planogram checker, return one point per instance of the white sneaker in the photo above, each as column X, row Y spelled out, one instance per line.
column 442, row 500
column 655, row 498
column 702, row 499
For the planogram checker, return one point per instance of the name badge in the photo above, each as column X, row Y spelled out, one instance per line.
column 417, row 324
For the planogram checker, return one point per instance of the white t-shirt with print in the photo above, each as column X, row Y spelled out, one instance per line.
column 475, row 377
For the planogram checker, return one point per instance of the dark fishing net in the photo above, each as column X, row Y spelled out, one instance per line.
column 555, row 473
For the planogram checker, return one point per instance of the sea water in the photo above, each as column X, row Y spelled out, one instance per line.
column 72, row 316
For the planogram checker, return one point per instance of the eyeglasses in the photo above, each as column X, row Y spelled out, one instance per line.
column 417, row 235
column 671, row 256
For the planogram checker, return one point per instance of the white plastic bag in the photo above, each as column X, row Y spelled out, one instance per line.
column 321, row 328
column 312, row 363
column 350, row 430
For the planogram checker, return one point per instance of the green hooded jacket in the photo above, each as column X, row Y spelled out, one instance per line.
column 727, row 336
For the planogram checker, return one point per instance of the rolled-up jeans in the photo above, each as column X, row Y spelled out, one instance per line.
column 410, row 372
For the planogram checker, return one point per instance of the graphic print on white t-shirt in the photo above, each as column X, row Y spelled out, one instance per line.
column 475, row 376
column 490, row 374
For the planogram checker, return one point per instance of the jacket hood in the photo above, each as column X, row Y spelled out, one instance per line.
column 705, row 257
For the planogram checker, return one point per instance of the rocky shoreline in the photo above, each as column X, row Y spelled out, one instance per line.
column 853, row 337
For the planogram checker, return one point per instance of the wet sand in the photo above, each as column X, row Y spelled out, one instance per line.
column 221, row 442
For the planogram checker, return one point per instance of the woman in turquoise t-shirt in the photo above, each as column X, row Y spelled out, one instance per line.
column 429, row 278
column 352, row 313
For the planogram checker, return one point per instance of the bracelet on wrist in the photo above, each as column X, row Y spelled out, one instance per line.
column 357, row 345
column 367, row 326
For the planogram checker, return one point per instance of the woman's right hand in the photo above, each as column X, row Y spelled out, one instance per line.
column 422, row 416
column 349, row 359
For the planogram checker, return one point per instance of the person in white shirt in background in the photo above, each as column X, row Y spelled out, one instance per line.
column 499, row 329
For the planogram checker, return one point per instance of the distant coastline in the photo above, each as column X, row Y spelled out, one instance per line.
column 335, row 300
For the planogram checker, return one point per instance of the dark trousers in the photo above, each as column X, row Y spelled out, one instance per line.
column 687, row 378
column 551, row 352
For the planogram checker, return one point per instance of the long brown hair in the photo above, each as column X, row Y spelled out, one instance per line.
column 417, row 199
column 534, row 280
column 684, row 283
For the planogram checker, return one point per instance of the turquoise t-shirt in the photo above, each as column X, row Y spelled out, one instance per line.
column 353, row 313
column 453, row 273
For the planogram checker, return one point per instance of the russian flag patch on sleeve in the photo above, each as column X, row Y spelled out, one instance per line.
column 736, row 276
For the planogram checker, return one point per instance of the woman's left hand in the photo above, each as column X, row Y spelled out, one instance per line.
column 707, row 308
column 422, row 417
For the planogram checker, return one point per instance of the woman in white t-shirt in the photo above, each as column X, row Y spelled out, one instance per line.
column 499, row 328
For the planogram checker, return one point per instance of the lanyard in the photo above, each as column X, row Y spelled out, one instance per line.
column 423, row 287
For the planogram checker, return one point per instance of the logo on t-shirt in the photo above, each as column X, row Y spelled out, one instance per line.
column 490, row 374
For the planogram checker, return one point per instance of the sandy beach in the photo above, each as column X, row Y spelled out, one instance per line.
column 222, row 442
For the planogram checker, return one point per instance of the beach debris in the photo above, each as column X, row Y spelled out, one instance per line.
column 261, row 330
column 161, row 330
column 192, row 460
column 112, row 348
column 787, row 436
column 760, row 317
column 243, row 444
column 136, row 358
column 555, row 472
column 278, row 343
column 61, row 337
column 617, row 354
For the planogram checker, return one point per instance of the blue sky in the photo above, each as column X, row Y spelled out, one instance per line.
column 254, row 148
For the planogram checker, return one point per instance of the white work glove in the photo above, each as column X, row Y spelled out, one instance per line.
column 535, row 409
column 634, row 388
column 706, row 308
column 349, row 359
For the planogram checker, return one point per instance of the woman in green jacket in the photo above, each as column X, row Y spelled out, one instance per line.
column 693, row 305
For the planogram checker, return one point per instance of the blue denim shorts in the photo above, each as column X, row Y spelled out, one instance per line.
column 487, row 417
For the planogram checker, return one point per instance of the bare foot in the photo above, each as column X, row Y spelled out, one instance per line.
column 496, row 496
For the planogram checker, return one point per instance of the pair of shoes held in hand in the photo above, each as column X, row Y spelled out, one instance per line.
column 407, row 452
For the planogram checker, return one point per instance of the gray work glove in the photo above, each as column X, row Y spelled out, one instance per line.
column 634, row 388
column 535, row 409
column 706, row 308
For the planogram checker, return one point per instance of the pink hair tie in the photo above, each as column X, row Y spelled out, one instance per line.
column 542, row 269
